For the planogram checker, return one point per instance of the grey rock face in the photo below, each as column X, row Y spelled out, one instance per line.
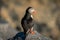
column 36, row 36
column 6, row 31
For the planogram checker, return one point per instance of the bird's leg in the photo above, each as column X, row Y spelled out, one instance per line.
column 32, row 31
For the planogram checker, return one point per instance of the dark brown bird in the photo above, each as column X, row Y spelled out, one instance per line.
column 27, row 20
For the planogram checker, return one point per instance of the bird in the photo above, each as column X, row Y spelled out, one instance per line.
column 27, row 20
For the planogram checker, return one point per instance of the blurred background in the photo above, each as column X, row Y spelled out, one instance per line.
column 12, row 11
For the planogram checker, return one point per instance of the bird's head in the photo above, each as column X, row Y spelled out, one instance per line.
column 30, row 10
